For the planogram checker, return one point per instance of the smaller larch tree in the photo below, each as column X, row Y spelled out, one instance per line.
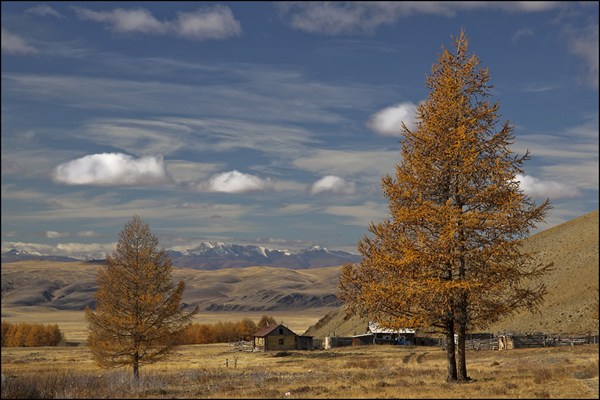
column 138, row 315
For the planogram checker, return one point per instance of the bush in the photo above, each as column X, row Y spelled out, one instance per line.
column 30, row 335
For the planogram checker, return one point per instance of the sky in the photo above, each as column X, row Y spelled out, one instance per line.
column 263, row 123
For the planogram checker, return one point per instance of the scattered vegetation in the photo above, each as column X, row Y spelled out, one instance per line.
column 30, row 335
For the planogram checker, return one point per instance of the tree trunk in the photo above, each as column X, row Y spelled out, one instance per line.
column 450, row 348
column 136, row 366
column 461, row 354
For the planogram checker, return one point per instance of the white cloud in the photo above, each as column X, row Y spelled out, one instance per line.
column 14, row 44
column 389, row 120
column 111, row 169
column 54, row 234
column 206, row 23
column 44, row 10
column 333, row 184
column 217, row 22
column 337, row 18
column 234, row 182
column 547, row 189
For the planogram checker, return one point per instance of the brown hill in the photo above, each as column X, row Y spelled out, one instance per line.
column 72, row 285
column 572, row 286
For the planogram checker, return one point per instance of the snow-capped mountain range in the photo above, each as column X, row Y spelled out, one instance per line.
column 218, row 255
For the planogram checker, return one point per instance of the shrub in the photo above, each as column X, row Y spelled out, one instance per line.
column 30, row 335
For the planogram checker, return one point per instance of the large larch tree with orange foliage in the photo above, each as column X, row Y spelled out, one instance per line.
column 449, row 258
column 138, row 316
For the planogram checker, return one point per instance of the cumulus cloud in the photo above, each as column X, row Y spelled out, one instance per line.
column 44, row 10
column 234, row 182
column 547, row 189
column 111, row 169
column 389, row 120
column 14, row 44
column 217, row 22
column 332, row 184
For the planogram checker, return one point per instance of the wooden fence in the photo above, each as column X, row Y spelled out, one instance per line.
column 522, row 341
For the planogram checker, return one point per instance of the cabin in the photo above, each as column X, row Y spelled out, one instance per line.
column 280, row 337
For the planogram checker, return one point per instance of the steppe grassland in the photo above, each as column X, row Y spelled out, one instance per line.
column 74, row 326
column 349, row 372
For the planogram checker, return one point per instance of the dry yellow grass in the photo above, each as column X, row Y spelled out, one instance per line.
column 200, row 371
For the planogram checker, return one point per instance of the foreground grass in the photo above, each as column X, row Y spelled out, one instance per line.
column 200, row 371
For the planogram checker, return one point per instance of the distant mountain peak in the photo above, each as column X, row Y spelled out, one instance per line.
column 218, row 255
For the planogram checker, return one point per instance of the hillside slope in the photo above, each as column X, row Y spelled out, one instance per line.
column 572, row 286
column 71, row 286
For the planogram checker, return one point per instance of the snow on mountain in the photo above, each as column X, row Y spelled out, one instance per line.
column 219, row 255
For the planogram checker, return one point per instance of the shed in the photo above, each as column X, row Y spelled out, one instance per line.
column 280, row 337
column 390, row 336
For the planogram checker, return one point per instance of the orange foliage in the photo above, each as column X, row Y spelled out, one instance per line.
column 30, row 335
column 449, row 256
column 220, row 332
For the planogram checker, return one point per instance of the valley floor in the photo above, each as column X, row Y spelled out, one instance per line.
column 219, row 371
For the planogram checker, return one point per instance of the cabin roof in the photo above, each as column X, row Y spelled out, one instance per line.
column 265, row 331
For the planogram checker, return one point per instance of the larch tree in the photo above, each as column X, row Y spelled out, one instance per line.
column 138, row 316
column 449, row 258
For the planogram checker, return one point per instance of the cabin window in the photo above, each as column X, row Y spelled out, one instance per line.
column 281, row 342
column 281, row 331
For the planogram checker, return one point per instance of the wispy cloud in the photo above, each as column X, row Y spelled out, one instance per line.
column 332, row 184
column 523, row 32
column 362, row 17
column 355, row 163
column 76, row 250
column 233, row 182
column 15, row 44
column 389, row 120
column 361, row 215
column 112, row 169
column 44, row 10
column 88, row 234
column 206, row 23
column 53, row 234
column 568, row 156
column 582, row 41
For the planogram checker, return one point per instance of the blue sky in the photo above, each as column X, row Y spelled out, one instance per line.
column 266, row 123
